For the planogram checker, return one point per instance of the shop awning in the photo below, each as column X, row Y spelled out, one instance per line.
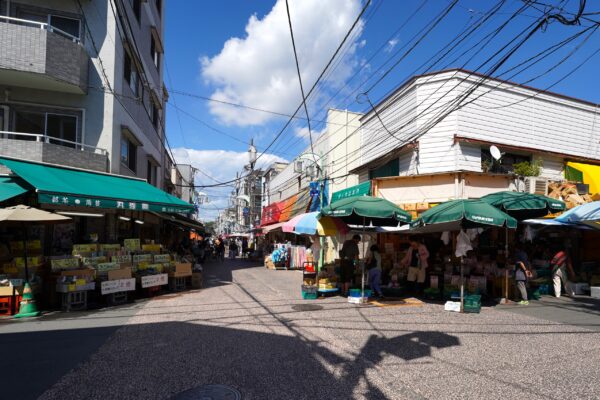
column 271, row 214
column 81, row 188
column 11, row 187
column 301, row 205
column 287, row 208
column 274, row 227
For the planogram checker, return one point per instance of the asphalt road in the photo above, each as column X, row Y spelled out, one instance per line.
column 242, row 331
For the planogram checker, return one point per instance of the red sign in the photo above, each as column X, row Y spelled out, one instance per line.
column 271, row 214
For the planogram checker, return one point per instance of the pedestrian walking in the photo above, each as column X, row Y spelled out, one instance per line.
column 522, row 273
column 561, row 269
column 233, row 249
column 374, row 267
column 349, row 258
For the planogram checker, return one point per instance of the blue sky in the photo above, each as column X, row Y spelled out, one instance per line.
column 241, row 51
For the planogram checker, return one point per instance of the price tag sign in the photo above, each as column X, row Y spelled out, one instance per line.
column 116, row 286
column 121, row 259
column 104, row 267
column 154, row 280
column 64, row 264
column 153, row 248
column 110, row 247
column 138, row 258
column 132, row 244
column 162, row 258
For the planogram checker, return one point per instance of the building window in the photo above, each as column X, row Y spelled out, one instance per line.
column 154, row 114
column 128, row 153
column 502, row 166
column 30, row 122
column 154, row 52
column 391, row 168
column 71, row 26
column 62, row 127
column 137, row 9
column 151, row 173
column 131, row 75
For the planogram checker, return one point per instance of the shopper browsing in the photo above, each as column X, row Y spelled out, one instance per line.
column 522, row 272
column 374, row 266
column 416, row 261
column 349, row 256
column 561, row 267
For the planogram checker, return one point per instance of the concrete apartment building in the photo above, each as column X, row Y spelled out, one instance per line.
column 81, row 85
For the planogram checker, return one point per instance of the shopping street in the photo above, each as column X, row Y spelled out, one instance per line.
column 242, row 331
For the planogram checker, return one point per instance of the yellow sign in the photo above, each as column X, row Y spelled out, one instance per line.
column 132, row 244
column 84, row 248
column 64, row 263
column 154, row 248
column 93, row 260
column 110, row 247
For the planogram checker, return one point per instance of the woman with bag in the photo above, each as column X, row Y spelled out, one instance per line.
column 374, row 267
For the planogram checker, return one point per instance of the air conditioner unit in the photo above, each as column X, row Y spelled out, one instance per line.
column 298, row 167
column 536, row 185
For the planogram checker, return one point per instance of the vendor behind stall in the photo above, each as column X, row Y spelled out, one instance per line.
column 416, row 260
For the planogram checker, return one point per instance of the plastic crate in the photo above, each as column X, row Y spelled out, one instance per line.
column 474, row 309
column 309, row 296
column 6, row 305
column 309, row 289
column 544, row 289
column 472, row 303
column 357, row 293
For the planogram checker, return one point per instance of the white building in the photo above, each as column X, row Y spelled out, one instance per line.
column 439, row 152
column 333, row 154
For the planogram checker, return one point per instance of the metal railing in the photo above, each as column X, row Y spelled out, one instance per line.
column 40, row 25
column 36, row 137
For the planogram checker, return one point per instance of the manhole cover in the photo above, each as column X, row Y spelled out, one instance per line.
column 209, row 392
column 306, row 307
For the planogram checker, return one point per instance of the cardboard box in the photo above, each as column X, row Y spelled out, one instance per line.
column 422, row 206
column 123, row 273
column 8, row 290
column 595, row 292
column 197, row 280
column 181, row 269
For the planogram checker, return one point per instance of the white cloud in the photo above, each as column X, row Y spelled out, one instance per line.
column 220, row 165
column 305, row 134
column 259, row 69
column 391, row 44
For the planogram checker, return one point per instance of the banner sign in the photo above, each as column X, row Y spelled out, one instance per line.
column 78, row 201
column 364, row 189
column 119, row 285
column 154, row 280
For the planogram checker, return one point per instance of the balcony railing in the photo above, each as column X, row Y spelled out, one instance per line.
column 40, row 25
column 36, row 137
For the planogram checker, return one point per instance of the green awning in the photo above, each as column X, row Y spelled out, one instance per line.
column 11, row 187
column 72, row 187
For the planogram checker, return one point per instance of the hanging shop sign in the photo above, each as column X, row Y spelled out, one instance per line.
column 116, row 286
column 364, row 189
column 154, row 280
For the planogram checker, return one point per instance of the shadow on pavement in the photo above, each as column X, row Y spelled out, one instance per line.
column 161, row 359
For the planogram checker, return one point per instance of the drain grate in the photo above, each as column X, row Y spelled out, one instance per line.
column 307, row 307
column 209, row 392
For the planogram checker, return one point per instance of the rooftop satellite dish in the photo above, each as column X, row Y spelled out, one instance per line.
column 495, row 152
